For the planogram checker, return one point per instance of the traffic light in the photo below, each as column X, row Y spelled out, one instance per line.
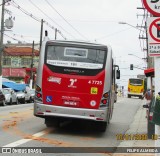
column 131, row 66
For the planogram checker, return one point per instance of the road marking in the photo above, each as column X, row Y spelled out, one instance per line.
column 22, row 141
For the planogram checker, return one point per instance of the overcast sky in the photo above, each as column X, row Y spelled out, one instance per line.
column 92, row 20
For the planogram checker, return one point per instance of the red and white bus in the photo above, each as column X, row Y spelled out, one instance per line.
column 75, row 80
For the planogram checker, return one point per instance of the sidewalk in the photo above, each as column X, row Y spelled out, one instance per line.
column 138, row 126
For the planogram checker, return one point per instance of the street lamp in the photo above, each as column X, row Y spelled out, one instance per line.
column 130, row 25
column 137, row 56
column 148, row 59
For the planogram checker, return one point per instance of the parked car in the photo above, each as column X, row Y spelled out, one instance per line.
column 21, row 96
column 150, row 124
column 2, row 98
column 32, row 94
column 10, row 96
column 25, row 96
column 29, row 94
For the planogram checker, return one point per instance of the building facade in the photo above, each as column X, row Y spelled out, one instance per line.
column 16, row 59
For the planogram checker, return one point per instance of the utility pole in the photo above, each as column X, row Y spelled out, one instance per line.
column 41, row 34
column 56, row 33
column 145, row 15
column 31, row 76
column 1, row 37
column 1, row 41
column 149, row 59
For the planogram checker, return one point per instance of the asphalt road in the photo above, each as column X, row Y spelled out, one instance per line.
column 20, row 128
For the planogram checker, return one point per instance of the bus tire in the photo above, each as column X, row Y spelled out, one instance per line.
column 101, row 126
column 110, row 115
column 141, row 97
column 52, row 122
column 129, row 96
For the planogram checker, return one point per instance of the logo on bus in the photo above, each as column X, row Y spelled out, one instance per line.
column 72, row 82
column 94, row 90
column 93, row 103
column 48, row 98
column 54, row 79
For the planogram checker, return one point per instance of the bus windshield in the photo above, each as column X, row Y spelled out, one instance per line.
column 83, row 58
column 136, row 82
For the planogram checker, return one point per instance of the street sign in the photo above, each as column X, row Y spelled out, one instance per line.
column 153, row 29
column 153, row 6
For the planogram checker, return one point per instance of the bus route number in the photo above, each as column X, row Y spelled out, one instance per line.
column 95, row 82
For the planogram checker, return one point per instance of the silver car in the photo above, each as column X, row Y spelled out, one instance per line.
column 10, row 96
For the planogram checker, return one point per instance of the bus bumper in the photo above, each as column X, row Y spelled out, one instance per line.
column 43, row 110
column 136, row 94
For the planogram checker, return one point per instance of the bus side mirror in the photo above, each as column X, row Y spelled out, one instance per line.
column 118, row 74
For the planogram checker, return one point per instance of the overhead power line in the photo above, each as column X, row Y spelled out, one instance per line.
column 64, row 19
column 114, row 33
column 35, row 18
column 50, row 18
column 14, row 38
column 24, row 36
column 27, row 38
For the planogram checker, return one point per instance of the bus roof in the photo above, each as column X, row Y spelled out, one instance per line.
column 78, row 42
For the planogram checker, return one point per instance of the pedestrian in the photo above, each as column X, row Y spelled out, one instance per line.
column 148, row 96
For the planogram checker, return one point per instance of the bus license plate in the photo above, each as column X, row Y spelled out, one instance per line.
column 71, row 103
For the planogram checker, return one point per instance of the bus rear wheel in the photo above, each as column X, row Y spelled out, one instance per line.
column 140, row 97
column 52, row 122
column 101, row 126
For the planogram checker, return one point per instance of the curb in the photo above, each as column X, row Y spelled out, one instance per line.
column 137, row 127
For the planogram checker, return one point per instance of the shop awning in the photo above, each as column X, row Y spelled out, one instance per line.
column 13, row 85
column 149, row 72
column 29, row 69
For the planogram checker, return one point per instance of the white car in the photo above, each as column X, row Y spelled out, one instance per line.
column 24, row 96
column 31, row 94
column 21, row 96
column 10, row 96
